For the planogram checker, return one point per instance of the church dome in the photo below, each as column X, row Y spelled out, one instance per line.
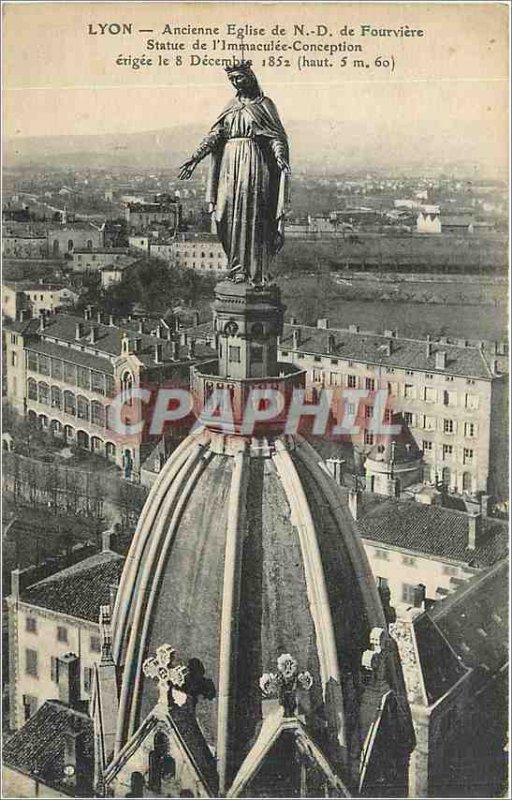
column 245, row 550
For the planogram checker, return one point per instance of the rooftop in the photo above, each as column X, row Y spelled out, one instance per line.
column 40, row 746
column 432, row 530
column 79, row 590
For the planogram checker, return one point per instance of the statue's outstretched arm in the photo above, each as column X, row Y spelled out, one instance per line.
column 208, row 145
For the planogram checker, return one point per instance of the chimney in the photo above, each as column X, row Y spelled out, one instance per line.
column 495, row 366
column 335, row 467
column 296, row 339
column 388, row 348
column 23, row 314
column 42, row 321
column 79, row 330
column 111, row 320
column 195, row 318
column 109, row 540
column 420, row 594
column 69, row 680
column 353, row 328
column 158, row 353
column 331, row 344
column 159, row 331
column 88, row 313
column 15, row 583
column 293, row 320
column 140, row 326
column 390, row 334
column 440, row 359
column 322, row 323
column 74, row 757
column 429, row 348
column 175, row 351
column 355, row 503
column 183, row 338
column 474, row 530
column 137, row 344
column 93, row 334
column 191, row 349
column 99, row 317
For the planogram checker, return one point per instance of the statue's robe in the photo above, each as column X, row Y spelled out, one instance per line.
column 247, row 191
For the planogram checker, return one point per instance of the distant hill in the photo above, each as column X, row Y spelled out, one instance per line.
column 319, row 145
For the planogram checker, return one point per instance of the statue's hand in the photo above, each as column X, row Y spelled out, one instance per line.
column 283, row 165
column 187, row 169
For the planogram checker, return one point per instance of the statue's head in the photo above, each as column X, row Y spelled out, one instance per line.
column 243, row 78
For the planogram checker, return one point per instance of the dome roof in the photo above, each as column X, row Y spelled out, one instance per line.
column 246, row 550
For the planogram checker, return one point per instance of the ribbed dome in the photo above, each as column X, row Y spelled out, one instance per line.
column 246, row 550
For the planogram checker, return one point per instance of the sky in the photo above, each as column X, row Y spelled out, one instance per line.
column 60, row 79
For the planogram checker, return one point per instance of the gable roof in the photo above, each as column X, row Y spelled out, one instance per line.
column 39, row 746
column 79, row 590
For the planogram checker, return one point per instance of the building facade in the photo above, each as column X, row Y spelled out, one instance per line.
column 64, row 239
column 92, row 259
column 36, row 298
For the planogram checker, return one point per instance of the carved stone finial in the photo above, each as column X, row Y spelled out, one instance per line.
column 372, row 659
column 285, row 683
column 171, row 676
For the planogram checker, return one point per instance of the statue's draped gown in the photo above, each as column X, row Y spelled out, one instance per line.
column 246, row 190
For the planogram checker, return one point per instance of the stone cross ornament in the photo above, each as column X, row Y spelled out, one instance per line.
column 286, row 683
column 170, row 675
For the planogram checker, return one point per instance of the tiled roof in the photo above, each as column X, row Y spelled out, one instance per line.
column 474, row 619
column 370, row 347
column 39, row 747
column 75, row 356
column 80, row 590
column 432, row 530
column 63, row 328
column 440, row 666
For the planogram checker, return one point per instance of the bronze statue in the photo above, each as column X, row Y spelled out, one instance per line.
column 248, row 181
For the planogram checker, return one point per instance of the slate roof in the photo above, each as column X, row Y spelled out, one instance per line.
column 406, row 353
column 39, row 746
column 431, row 530
column 474, row 619
column 79, row 590
column 108, row 344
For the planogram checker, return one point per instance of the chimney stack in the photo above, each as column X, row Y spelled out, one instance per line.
column 109, row 539
column 99, row 317
column 420, row 594
column 353, row 328
column 183, row 338
column 137, row 344
column 69, row 680
column 195, row 318
column 440, row 359
column 94, row 334
column 175, row 351
column 88, row 313
column 140, row 326
column 79, row 330
column 474, row 530
column 355, row 503
column 429, row 348
column 42, row 321
column 331, row 344
column 111, row 320
column 322, row 323
column 293, row 320
column 296, row 339
column 191, row 349
column 388, row 348
column 158, row 353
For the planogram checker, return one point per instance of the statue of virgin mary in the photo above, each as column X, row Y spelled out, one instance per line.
column 249, row 176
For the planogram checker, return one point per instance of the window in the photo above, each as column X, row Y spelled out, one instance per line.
column 284, row 353
column 409, row 391
column 429, row 423
column 29, row 706
column 352, row 381
column 257, row 353
column 317, row 376
column 318, row 359
column 470, row 429
column 393, row 389
column 83, row 377
column 56, row 369
column 429, row 377
column 448, row 425
column 95, row 644
column 368, row 412
column 54, row 669
column 32, row 361
column 388, row 415
column 447, row 451
column 409, row 372
column 472, row 401
column 408, row 418
column 370, row 384
column 62, row 633
column 234, row 354
column 31, row 662
column 430, row 394
column 368, row 437
column 13, row 338
column 14, row 359
column 449, row 378
column 88, row 675
column 334, row 362
column 427, row 446
column 31, row 624
column 408, row 593
column 408, row 561
column 335, row 379
column 350, row 409
column 382, row 555
column 470, row 382
column 468, row 455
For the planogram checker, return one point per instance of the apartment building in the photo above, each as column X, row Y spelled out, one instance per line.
column 36, row 297
column 442, row 388
column 53, row 616
column 64, row 372
column 201, row 252
column 93, row 259
column 65, row 238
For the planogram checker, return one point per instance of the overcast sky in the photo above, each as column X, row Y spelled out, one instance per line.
column 451, row 83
